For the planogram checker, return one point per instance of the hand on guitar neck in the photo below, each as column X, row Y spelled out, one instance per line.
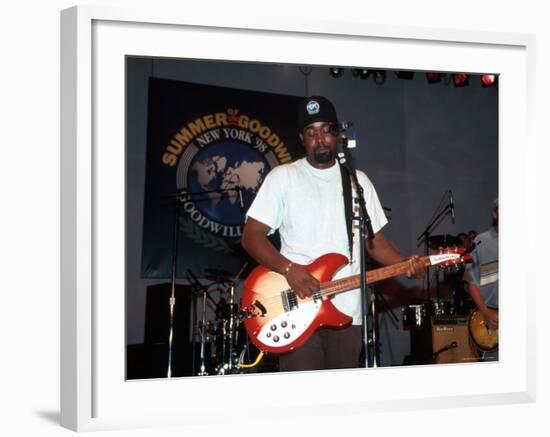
column 305, row 284
column 416, row 267
column 384, row 252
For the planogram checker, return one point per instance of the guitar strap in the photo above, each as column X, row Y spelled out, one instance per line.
column 348, row 206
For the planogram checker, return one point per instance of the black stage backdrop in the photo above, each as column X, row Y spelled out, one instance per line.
column 208, row 151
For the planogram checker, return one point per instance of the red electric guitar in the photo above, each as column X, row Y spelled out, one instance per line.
column 278, row 321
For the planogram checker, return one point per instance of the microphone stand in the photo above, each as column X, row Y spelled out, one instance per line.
column 172, row 301
column 425, row 234
column 180, row 196
column 365, row 232
column 183, row 195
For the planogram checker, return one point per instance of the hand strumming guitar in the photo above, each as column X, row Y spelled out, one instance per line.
column 300, row 280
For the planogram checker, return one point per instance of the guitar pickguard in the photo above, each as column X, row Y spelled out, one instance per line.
column 288, row 326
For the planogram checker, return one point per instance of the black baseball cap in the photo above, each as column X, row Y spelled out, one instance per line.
column 315, row 108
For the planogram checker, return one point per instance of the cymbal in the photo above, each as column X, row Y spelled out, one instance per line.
column 218, row 279
column 443, row 240
column 218, row 272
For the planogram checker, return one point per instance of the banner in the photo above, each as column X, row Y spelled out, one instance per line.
column 208, row 151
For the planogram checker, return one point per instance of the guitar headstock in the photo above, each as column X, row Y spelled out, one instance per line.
column 450, row 256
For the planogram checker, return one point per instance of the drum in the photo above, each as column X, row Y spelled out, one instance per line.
column 441, row 308
column 415, row 316
column 452, row 271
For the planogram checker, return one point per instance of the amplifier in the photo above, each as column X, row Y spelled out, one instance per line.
column 450, row 340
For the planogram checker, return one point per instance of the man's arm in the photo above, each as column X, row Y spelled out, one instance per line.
column 384, row 252
column 256, row 243
column 490, row 315
column 472, row 276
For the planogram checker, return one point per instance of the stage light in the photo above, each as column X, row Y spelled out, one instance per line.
column 488, row 80
column 361, row 73
column 336, row 72
column 378, row 76
column 432, row 77
column 460, row 79
column 408, row 75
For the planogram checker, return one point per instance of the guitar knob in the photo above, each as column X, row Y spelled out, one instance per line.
column 283, row 323
column 276, row 338
column 286, row 335
column 273, row 327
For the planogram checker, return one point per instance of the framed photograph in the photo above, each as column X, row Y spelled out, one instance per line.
column 134, row 81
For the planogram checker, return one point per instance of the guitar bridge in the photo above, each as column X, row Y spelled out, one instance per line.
column 290, row 302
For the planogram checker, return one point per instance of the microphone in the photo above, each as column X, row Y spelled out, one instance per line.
column 341, row 127
column 452, row 206
column 345, row 125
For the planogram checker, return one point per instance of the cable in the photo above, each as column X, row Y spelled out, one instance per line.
column 255, row 363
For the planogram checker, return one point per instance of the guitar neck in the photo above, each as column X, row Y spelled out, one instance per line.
column 341, row 285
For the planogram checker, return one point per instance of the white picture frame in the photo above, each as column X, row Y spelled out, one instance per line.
column 94, row 41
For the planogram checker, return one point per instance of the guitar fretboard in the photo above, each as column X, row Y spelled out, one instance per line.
column 340, row 285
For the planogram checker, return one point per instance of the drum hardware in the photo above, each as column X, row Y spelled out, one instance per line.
column 220, row 339
column 437, row 242
column 218, row 276
column 202, row 324
column 218, row 273
column 231, row 323
column 219, row 280
column 441, row 308
column 414, row 316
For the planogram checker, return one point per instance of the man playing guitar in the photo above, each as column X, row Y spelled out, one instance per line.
column 482, row 278
column 304, row 201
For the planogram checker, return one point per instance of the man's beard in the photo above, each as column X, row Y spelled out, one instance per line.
column 323, row 155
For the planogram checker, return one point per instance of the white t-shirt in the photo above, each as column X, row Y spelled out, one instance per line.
column 306, row 205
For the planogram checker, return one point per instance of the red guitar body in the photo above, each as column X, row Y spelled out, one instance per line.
column 276, row 320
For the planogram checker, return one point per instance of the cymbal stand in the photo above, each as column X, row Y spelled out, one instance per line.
column 230, row 331
column 233, row 317
column 202, row 371
column 194, row 332
column 230, row 336
column 377, row 299
column 204, row 290
column 172, row 301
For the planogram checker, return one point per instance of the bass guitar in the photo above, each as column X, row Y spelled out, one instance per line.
column 278, row 321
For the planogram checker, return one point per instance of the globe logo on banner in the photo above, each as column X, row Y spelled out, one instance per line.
column 220, row 175
column 221, row 160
